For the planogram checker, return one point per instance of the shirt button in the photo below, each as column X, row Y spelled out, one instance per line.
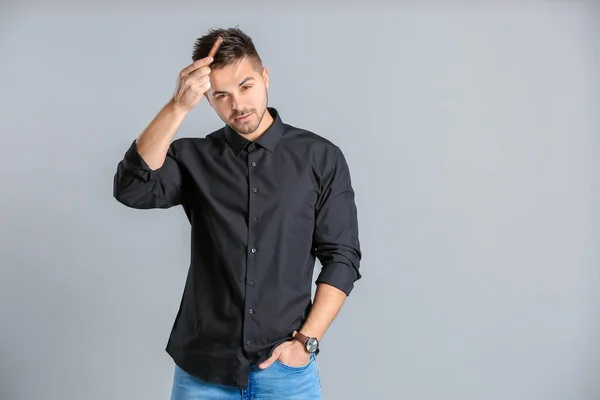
column 253, row 250
column 255, row 190
column 250, row 311
column 253, row 219
column 248, row 342
column 252, row 283
column 253, row 164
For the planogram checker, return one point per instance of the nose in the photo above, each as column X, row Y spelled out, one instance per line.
column 234, row 103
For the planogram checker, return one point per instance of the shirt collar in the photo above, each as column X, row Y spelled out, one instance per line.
column 268, row 139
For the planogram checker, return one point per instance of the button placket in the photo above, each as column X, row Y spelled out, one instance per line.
column 253, row 251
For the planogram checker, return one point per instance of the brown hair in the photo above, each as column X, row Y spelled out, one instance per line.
column 236, row 46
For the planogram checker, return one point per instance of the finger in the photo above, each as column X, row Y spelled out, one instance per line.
column 204, row 87
column 203, row 62
column 198, row 74
column 202, row 84
column 199, row 80
column 203, row 80
column 267, row 363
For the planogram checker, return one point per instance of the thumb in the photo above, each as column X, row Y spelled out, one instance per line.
column 267, row 363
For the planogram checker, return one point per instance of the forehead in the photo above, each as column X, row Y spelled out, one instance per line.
column 233, row 74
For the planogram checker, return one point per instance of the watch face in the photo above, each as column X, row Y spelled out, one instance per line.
column 311, row 345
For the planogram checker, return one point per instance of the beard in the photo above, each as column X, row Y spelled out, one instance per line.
column 248, row 127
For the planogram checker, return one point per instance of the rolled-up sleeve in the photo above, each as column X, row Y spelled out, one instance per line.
column 136, row 185
column 336, row 236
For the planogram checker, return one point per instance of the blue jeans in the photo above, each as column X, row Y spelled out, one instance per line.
column 278, row 382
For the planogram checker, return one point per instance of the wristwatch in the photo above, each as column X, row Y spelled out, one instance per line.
column 310, row 344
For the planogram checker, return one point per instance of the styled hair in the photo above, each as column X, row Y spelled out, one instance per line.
column 236, row 45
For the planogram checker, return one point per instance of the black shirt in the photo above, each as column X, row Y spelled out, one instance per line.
column 260, row 213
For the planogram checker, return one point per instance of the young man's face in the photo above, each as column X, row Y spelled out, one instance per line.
column 238, row 94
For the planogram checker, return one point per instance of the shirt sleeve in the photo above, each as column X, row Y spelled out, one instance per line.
column 136, row 185
column 336, row 240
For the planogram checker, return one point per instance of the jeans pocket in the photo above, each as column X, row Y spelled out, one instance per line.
column 299, row 368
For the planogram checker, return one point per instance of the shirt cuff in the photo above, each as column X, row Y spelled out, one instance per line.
column 135, row 164
column 339, row 275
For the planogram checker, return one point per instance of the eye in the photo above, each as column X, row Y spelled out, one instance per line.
column 246, row 87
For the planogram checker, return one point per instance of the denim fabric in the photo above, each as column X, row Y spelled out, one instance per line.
column 278, row 382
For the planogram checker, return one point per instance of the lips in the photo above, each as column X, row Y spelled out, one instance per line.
column 243, row 117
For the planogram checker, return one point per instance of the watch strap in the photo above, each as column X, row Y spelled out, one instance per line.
column 301, row 338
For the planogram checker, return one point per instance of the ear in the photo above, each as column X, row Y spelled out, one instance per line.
column 265, row 75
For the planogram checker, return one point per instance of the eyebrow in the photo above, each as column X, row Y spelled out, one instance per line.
column 241, row 84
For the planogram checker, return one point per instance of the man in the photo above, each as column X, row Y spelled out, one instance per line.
column 264, row 200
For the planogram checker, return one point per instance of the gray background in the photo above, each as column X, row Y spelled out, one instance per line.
column 472, row 138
